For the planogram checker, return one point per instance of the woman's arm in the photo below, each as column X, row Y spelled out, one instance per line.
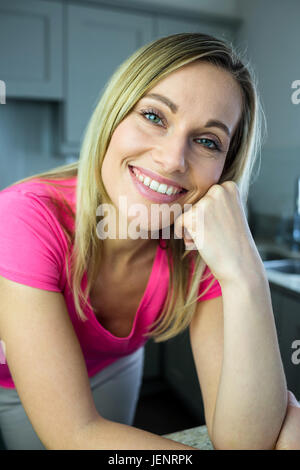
column 289, row 437
column 46, row 363
column 252, row 395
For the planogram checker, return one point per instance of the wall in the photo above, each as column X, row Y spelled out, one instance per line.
column 272, row 35
column 227, row 8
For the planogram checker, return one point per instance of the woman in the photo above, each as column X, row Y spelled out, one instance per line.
column 178, row 125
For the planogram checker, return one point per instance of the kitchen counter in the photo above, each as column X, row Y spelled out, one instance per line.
column 290, row 282
column 195, row 437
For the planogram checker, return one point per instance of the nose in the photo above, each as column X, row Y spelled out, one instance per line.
column 171, row 156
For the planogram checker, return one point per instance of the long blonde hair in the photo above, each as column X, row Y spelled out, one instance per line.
column 131, row 80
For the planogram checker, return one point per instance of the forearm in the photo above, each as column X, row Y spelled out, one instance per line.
column 104, row 434
column 252, row 394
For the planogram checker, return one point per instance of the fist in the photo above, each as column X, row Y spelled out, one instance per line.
column 217, row 227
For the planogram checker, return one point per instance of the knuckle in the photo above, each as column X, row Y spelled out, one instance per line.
column 215, row 190
column 204, row 202
column 230, row 185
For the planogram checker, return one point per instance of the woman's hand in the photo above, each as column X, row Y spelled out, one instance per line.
column 289, row 437
column 219, row 230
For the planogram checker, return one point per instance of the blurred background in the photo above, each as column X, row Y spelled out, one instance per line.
column 55, row 58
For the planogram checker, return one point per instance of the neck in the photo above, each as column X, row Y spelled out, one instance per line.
column 121, row 249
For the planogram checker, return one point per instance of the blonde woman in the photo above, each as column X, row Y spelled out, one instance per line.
column 178, row 124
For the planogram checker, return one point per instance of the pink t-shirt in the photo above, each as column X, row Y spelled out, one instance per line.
column 33, row 248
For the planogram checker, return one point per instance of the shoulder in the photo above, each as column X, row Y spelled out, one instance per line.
column 48, row 198
column 32, row 242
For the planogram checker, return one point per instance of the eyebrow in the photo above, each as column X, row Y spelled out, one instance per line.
column 174, row 108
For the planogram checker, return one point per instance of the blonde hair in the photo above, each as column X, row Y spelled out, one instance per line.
column 131, row 80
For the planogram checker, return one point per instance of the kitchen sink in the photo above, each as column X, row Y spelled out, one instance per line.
column 287, row 266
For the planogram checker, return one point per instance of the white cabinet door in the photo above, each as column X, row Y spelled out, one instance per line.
column 98, row 41
column 167, row 26
column 31, row 48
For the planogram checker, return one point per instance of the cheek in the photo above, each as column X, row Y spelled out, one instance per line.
column 128, row 139
column 217, row 172
column 208, row 173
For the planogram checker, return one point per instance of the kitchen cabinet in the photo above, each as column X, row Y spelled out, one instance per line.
column 286, row 310
column 31, row 37
column 98, row 40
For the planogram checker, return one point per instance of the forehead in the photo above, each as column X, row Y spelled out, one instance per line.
column 203, row 87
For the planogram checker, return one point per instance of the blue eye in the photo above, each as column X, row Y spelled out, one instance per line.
column 216, row 146
column 152, row 112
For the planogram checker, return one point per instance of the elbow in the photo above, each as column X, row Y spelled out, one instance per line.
column 242, row 441
column 262, row 436
column 240, row 445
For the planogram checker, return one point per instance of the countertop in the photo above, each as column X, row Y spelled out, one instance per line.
column 288, row 281
column 195, row 437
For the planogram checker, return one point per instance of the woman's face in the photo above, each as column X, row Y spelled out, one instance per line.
column 185, row 142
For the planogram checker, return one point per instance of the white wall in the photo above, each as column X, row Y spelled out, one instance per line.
column 271, row 34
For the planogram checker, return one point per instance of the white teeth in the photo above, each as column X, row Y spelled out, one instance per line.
column 154, row 185
column 147, row 181
column 162, row 188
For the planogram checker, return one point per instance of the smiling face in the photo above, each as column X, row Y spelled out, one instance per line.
column 181, row 131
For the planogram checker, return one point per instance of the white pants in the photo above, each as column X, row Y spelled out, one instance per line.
column 115, row 391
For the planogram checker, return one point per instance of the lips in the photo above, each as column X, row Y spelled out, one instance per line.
column 158, row 178
column 150, row 194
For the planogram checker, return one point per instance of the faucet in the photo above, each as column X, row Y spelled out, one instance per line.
column 296, row 219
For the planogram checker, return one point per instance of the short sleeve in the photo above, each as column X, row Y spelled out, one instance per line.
column 30, row 250
column 213, row 291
